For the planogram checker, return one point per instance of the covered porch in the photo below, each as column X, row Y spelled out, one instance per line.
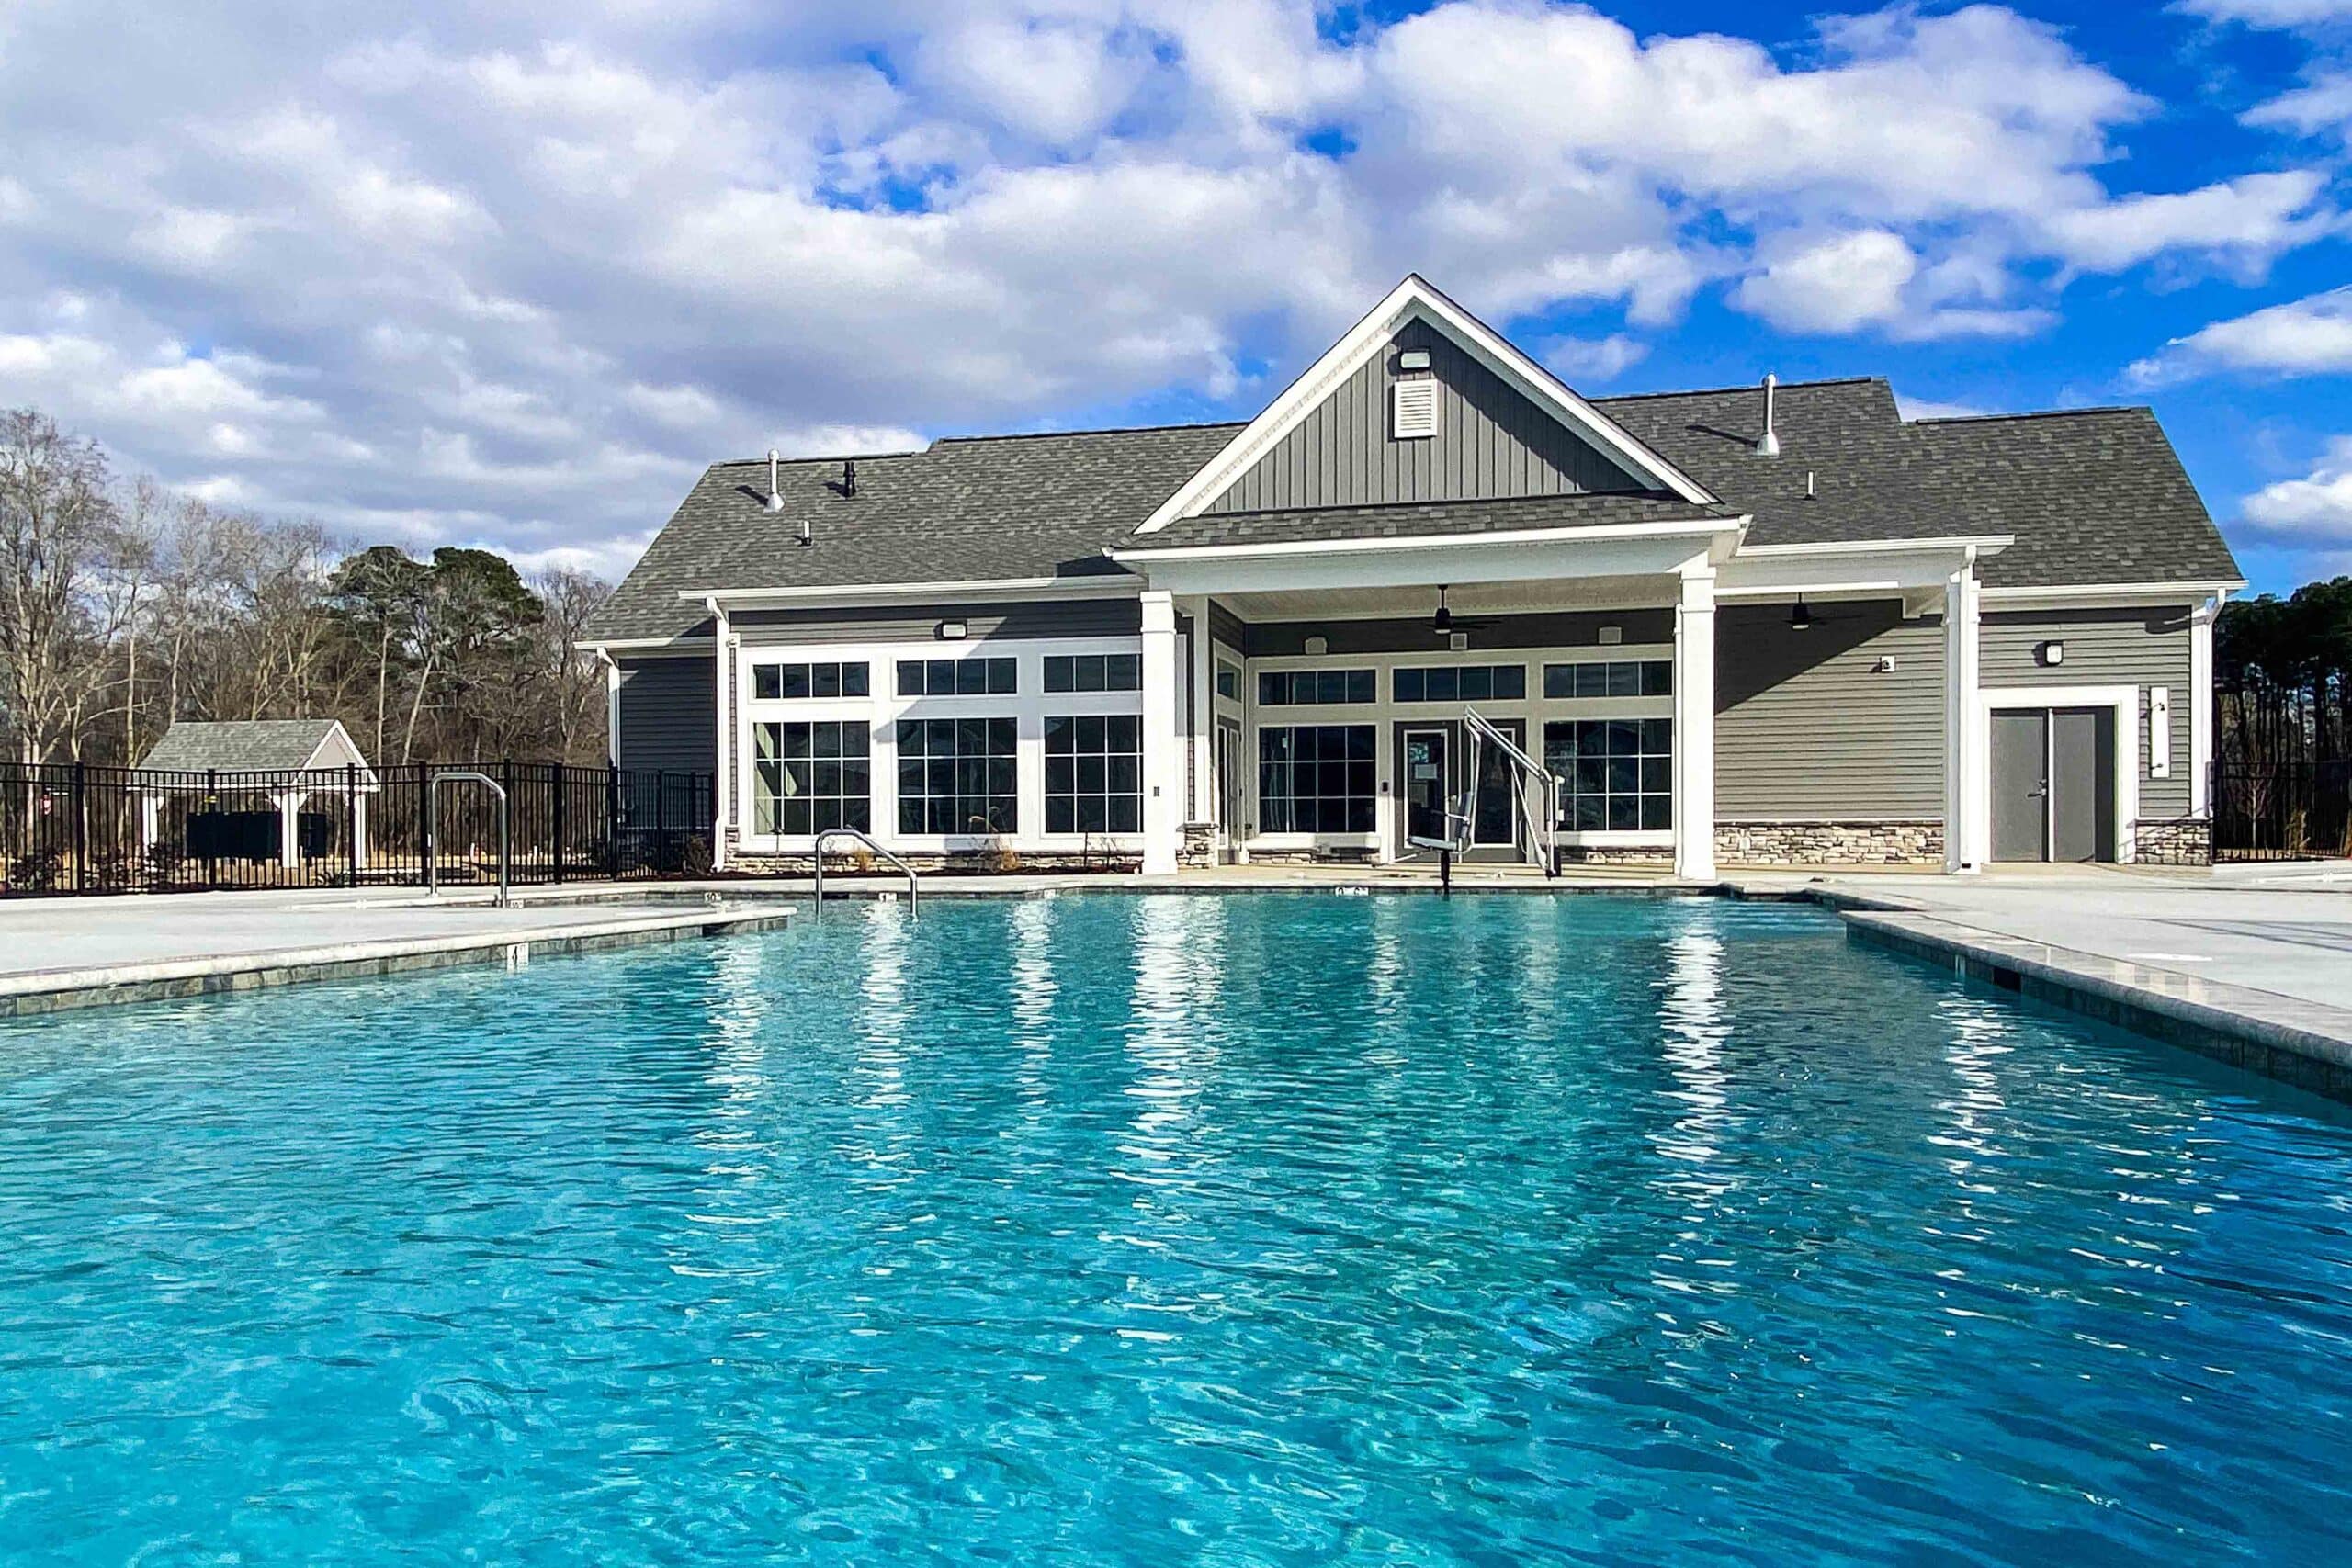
column 1305, row 699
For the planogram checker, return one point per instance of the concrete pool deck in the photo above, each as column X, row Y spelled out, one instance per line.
column 2249, row 963
column 63, row 953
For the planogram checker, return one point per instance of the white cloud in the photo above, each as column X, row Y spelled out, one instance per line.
column 2271, row 13
column 2315, row 511
column 2251, row 218
column 1833, row 284
column 513, row 276
column 2323, row 103
column 1931, row 408
column 2304, row 337
column 1592, row 359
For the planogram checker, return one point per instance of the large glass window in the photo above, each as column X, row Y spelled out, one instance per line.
column 1095, row 774
column 1228, row 681
column 1461, row 683
column 1610, row 678
column 1296, row 688
column 787, row 683
column 1617, row 773
column 957, row 677
column 1095, row 672
column 809, row 777
column 1315, row 778
column 955, row 775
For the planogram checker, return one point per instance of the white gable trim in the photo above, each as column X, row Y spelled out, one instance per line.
column 345, row 755
column 1416, row 299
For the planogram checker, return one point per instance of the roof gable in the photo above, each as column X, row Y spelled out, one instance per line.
column 1493, row 442
column 259, row 745
column 1414, row 304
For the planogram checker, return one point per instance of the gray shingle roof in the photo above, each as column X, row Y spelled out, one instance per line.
column 1427, row 517
column 991, row 507
column 2093, row 496
column 239, row 745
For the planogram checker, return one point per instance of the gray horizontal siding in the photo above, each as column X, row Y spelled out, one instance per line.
column 1491, row 442
column 890, row 623
column 668, row 714
column 1807, row 729
column 1277, row 639
column 2141, row 648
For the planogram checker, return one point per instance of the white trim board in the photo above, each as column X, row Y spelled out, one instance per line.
column 2124, row 699
column 1416, row 299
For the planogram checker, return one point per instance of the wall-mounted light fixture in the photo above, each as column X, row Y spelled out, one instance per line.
column 1413, row 359
column 1611, row 636
column 1317, row 646
column 1885, row 665
column 2051, row 653
column 952, row 631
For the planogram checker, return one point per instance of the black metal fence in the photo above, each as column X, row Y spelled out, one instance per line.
column 2286, row 811
column 67, row 828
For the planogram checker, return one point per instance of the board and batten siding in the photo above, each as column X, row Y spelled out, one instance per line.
column 669, row 714
column 1491, row 443
column 1809, row 729
column 917, row 623
column 2140, row 648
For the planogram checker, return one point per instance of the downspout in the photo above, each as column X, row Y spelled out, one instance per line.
column 723, row 781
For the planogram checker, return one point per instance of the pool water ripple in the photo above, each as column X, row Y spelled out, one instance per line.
column 1169, row 1229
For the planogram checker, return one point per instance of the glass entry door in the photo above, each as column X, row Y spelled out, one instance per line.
column 1229, row 788
column 1424, row 789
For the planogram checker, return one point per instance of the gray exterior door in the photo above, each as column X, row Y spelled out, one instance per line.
column 2082, row 784
column 2054, row 783
column 2020, row 784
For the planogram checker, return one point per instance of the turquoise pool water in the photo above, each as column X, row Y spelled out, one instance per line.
column 1168, row 1230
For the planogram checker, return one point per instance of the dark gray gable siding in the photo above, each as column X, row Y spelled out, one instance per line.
column 2141, row 648
column 668, row 714
column 1491, row 444
column 1808, row 729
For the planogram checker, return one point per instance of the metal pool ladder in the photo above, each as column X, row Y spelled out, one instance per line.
column 432, row 822
column 869, row 843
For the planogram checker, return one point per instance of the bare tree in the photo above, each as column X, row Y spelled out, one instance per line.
column 59, row 543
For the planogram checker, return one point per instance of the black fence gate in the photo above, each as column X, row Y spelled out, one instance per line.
column 68, row 827
column 2285, row 811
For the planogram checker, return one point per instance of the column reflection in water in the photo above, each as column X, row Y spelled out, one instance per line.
column 1699, row 1177
column 1169, row 1146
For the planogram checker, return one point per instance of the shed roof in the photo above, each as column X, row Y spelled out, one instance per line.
column 253, row 745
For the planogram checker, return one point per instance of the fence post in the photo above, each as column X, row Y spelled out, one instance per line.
column 612, row 821
column 81, row 827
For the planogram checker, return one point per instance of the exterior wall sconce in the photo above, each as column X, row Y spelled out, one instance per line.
column 2051, row 654
column 1885, row 665
column 1413, row 359
column 1317, row 646
column 954, row 631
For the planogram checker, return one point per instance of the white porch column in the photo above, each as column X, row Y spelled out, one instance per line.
column 359, row 832
column 1968, row 803
column 289, row 817
column 1694, row 726
column 1163, row 756
column 1203, row 705
column 612, row 708
column 2201, row 705
column 722, row 784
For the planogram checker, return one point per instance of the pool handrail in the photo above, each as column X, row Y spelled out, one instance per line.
column 432, row 823
column 867, row 840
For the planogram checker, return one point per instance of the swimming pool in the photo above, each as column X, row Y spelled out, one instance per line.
column 1133, row 1229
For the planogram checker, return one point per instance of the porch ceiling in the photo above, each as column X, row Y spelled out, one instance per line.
column 1464, row 599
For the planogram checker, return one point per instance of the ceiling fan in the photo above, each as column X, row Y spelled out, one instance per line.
column 1445, row 620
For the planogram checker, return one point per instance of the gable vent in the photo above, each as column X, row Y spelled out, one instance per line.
column 1416, row 412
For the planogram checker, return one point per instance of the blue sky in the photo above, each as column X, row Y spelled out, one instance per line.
column 480, row 275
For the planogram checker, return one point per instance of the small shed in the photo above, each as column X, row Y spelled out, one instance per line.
column 284, row 759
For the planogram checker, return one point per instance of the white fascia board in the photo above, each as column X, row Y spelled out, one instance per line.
column 1412, row 297
column 976, row 591
column 2063, row 594
column 1457, row 560
column 609, row 646
column 1851, row 569
column 1696, row 527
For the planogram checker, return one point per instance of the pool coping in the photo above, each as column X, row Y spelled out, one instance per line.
column 42, row 992
column 2297, row 1041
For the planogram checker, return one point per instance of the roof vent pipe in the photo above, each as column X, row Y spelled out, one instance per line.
column 775, row 489
column 1769, row 445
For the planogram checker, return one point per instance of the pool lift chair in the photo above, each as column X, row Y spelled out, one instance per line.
column 1536, row 826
